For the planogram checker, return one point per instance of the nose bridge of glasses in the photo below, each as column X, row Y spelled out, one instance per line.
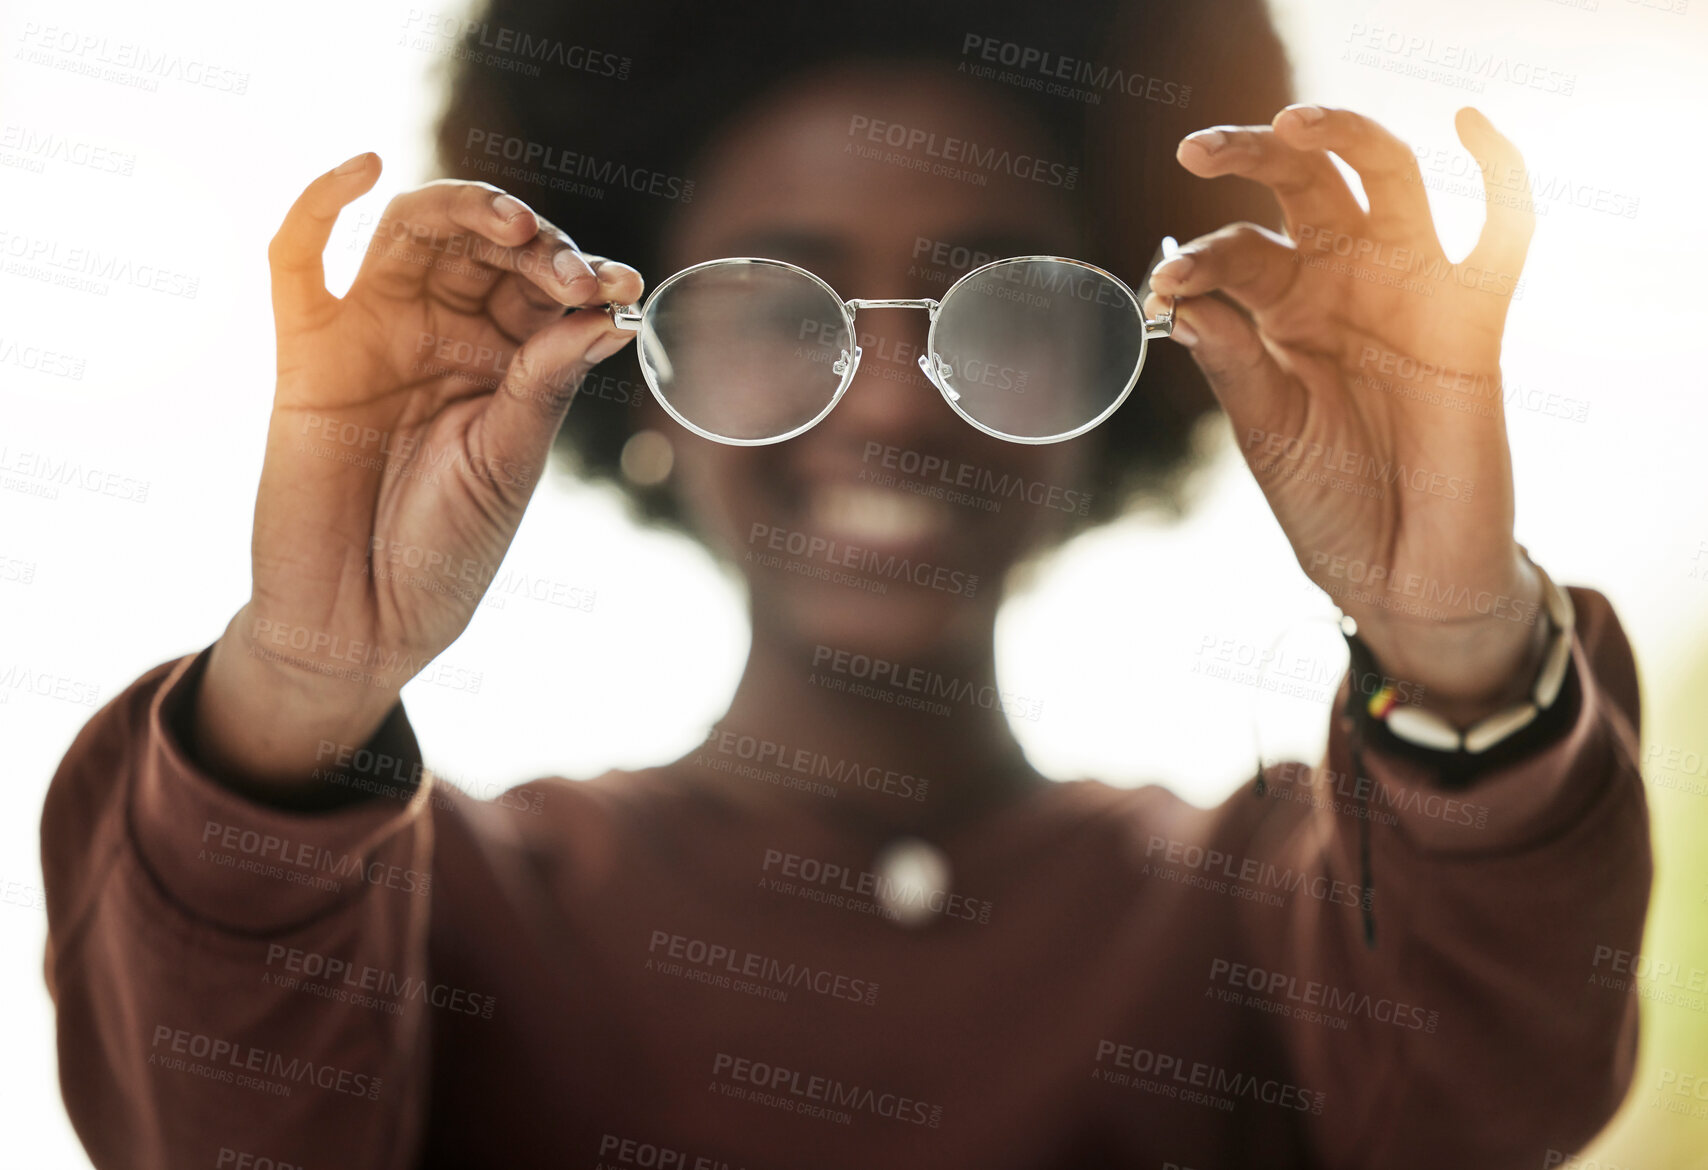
column 629, row 316
column 930, row 368
column 926, row 303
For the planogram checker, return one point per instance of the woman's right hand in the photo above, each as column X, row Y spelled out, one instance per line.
column 411, row 421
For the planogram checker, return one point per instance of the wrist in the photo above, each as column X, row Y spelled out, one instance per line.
column 262, row 721
column 1466, row 669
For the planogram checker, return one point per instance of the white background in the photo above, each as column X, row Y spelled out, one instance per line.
column 175, row 392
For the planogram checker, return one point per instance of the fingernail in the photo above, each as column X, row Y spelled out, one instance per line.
column 1210, row 140
column 508, row 207
column 606, row 346
column 569, row 268
column 578, row 282
column 1183, row 333
column 1306, row 115
column 610, row 272
column 355, row 164
column 1175, row 269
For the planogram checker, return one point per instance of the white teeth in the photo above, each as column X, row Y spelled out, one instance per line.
column 861, row 513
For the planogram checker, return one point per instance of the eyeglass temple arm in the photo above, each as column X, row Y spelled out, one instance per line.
column 1162, row 325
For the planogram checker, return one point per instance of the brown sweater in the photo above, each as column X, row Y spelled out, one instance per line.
column 655, row 970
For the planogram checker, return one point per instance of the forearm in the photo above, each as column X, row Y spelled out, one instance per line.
column 174, row 905
column 1491, row 895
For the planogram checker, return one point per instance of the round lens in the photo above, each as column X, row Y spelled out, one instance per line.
column 747, row 351
column 1038, row 350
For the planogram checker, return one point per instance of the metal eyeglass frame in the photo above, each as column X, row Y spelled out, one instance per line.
column 931, row 363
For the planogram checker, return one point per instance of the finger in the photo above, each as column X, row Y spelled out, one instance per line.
column 618, row 283
column 1385, row 165
column 1306, row 183
column 462, row 237
column 523, row 417
column 294, row 255
column 1253, row 265
column 1242, row 373
column 1510, row 221
column 549, row 262
column 518, row 307
column 415, row 232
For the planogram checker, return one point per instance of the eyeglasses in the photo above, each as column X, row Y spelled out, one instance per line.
column 1031, row 349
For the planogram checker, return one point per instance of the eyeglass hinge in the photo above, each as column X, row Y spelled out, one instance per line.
column 1163, row 325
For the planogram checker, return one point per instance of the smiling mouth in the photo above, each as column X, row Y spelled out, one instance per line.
column 885, row 517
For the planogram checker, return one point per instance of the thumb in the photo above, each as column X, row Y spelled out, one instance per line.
column 1252, row 388
column 517, row 428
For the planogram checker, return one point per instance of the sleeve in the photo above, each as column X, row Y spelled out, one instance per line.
column 1468, row 1027
column 199, row 949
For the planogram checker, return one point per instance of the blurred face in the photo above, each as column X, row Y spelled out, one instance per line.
column 912, row 514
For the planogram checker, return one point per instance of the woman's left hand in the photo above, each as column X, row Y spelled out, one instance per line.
column 1364, row 389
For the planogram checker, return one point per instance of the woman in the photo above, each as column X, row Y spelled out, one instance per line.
column 857, row 928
